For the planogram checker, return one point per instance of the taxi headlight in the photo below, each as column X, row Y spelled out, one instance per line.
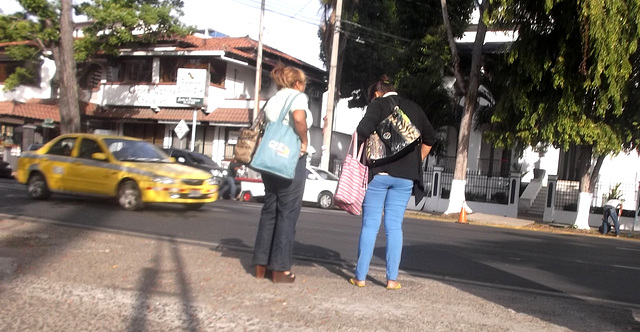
column 216, row 172
column 164, row 180
column 212, row 181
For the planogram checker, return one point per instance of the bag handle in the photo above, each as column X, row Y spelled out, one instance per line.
column 353, row 147
column 259, row 120
column 353, row 151
column 287, row 106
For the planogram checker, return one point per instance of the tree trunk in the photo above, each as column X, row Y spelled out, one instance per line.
column 455, row 59
column 586, row 186
column 457, row 196
column 69, row 108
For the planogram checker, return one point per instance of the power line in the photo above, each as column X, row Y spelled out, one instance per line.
column 303, row 7
column 375, row 31
column 282, row 10
column 359, row 33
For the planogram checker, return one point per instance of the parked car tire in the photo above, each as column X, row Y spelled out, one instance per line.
column 37, row 187
column 246, row 196
column 193, row 206
column 129, row 196
column 325, row 200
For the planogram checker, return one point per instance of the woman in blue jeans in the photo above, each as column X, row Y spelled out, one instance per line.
column 391, row 184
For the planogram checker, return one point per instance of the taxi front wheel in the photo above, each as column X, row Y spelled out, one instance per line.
column 129, row 196
column 37, row 187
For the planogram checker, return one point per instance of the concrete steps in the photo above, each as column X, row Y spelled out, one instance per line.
column 537, row 208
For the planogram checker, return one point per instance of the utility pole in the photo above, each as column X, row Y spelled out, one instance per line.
column 256, row 103
column 331, row 90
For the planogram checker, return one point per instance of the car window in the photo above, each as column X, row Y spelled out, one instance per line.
column 63, row 147
column 202, row 159
column 326, row 175
column 133, row 150
column 87, row 148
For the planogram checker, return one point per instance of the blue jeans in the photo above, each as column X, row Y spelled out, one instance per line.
column 277, row 226
column 230, row 186
column 392, row 195
column 610, row 212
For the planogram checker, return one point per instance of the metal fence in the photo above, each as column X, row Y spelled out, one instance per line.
column 496, row 167
column 479, row 188
column 567, row 193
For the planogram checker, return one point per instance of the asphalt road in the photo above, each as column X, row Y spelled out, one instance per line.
column 604, row 270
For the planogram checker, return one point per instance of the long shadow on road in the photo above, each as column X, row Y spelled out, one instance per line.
column 470, row 266
column 33, row 249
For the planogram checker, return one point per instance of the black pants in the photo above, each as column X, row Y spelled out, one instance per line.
column 280, row 212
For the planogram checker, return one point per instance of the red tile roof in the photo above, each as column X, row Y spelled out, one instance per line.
column 33, row 109
column 236, row 116
column 47, row 109
column 243, row 47
column 14, row 43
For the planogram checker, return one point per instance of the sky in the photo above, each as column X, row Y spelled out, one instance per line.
column 289, row 26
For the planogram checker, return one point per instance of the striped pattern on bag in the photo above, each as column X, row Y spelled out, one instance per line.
column 352, row 184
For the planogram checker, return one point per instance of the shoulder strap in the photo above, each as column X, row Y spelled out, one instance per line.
column 392, row 102
column 287, row 106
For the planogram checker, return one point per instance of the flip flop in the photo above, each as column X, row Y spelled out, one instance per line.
column 354, row 282
column 398, row 286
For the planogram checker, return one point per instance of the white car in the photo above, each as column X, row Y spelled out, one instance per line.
column 319, row 188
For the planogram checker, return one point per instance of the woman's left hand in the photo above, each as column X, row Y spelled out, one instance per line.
column 303, row 149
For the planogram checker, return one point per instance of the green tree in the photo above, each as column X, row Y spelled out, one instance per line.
column 567, row 81
column 404, row 39
column 115, row 23
column 469, row 89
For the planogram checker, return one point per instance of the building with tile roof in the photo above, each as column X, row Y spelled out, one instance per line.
column 140, row 93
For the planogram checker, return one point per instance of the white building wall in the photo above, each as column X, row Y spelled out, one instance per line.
column 25, row 92
column 240, row 82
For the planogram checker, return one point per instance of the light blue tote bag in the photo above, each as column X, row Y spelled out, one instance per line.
column 279, row 148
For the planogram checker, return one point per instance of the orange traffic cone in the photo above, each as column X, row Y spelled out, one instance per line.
column 462, row 218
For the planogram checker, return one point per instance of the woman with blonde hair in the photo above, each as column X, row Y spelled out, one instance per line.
column 273, row 249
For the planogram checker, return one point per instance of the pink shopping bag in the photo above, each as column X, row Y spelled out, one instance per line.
column 352, row 184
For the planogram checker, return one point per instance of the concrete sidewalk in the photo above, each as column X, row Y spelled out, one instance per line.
column 480, row 218
column 58, row 278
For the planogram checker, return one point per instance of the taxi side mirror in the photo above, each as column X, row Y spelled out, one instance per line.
column 99, row 156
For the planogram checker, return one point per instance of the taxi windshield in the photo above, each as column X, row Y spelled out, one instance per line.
column 131, row 150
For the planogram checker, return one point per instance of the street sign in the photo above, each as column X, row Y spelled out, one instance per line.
column 190, row 101
column 181, row 129
column 192, row 86
column 48, row 123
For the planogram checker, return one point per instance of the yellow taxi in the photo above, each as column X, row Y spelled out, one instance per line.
column 134, row 171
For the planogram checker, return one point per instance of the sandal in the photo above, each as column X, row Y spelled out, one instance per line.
column 285, row 277
column 357, row 282
column 397, row 286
